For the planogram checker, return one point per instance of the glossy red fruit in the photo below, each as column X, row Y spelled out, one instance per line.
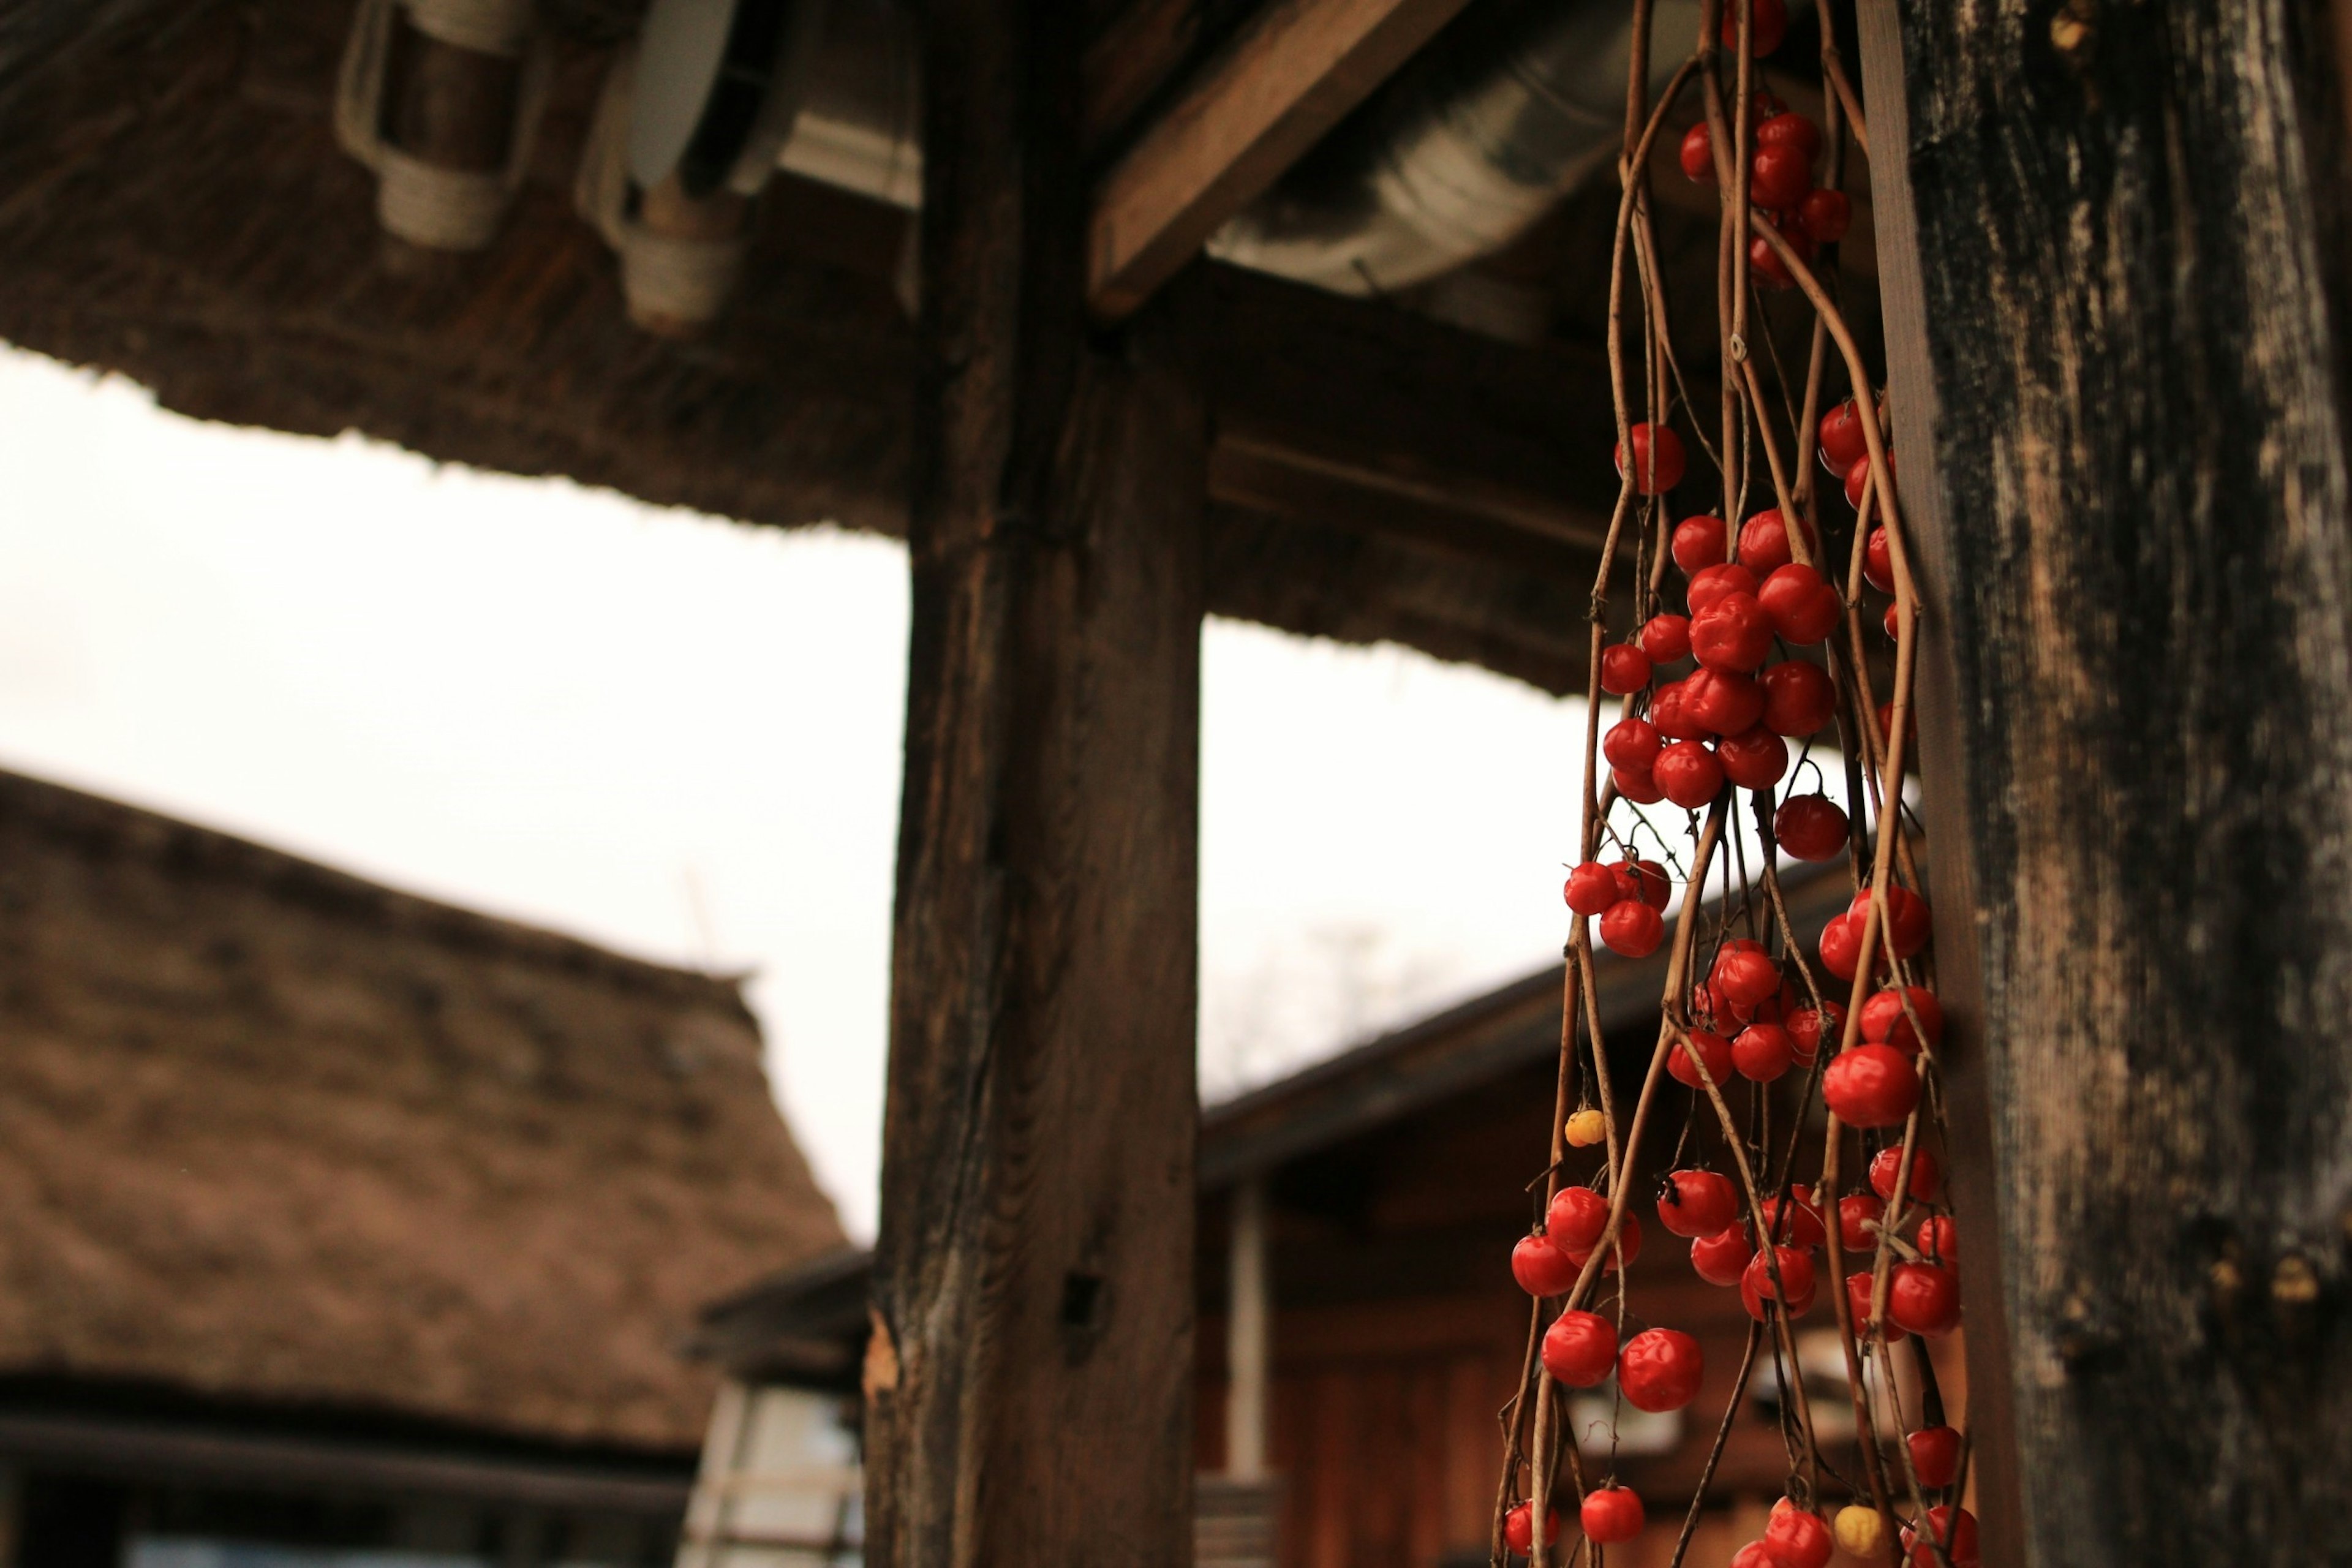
column 1892, row 621
column 1935, row 1455
column 1709, row 583
column 1909, row 921
column 1802, row 608
column 1857, row 1305
column 1697, row 1203
column 1878, row 562
column 1591, row 889
column 1657, row 458
column 1624, row 1249
column 1669, row 712
column 1780, row 177
column 1720, row 1259
column 1643, row 879
column 1939, row 1239
column 1613, row 1514
column 1744, row 974
column 1720, row 704
column 1923, row 1299
column 1789, row 129
column 1802, row 1226
column 1842, row 441
column 1856, row 1215
column 1632, row 929
column 1632, row 743
column 1660, row 1369
column 1954, row 1528
column 1665, row 638
column 1842, row 947
column 1520, row 1528
column 1761, row 1053
column 1540, row 1267
column 1575, row 1218
column 1810, row 826
column 1689, row 775
column 1808, row 1027
column 1753, row 759
column 1760, row 1554
column 1637, row 785
column 1799, row 698
column 1697, row 155
column 1803, row 1536
column 1765, row 264
column 1856, row 476
column 1713, row 1050
column 1700, row 543
column 1624, row 669
column 1871, row 1086
column 1927, row 1176
column 1796, row 1278
column 1764, row 542
column 1767, row 23
column 1732, row 634
column 1579, row 1348
column 1826, row 215
column 1884, row 1022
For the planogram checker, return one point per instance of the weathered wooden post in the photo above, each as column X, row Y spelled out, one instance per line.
column 1030, row 1375
column 2117, row 352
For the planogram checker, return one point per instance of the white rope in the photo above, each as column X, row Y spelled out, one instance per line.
column 666, row 277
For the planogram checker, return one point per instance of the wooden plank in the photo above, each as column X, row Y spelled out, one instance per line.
column 1030, row 1383
column 1285, row 80
column 2119, row 405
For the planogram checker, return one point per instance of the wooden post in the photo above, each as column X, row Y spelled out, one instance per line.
column 1030, row 1377
column 1248, row 1336
column 2113, row 251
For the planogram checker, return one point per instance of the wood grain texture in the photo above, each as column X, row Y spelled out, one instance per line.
column 1285, row 79
column 1033, row 1272
column 2124, row 421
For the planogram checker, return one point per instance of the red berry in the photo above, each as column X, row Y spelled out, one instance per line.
column 1935, row 1455
column 1624, row 1249
column 1927, row 1176
column 1643, row 879
column 1669, row 711
column 1591, row 889
column 1826, row 215
column 1660, row 1369
column 1857, row 1303
column 1841, row 946
column 1719, row 1258
column 1540, row 1267
column 1788, row 129
column 1624, row 669
column 1579, row 1348
column 1753, row 759
column 1939, row 1239
column 1799, row 698
column 1638, row 787
column 1762, row 1052
column 1856, row 1214
column 1689, row 775
column 1612, row 1513
column 1909, row 921
column 1520, row 1528
column 1810, row 826
column 1842, row 441
column 1803, row 607
column 1665, row 638
column 1732, row 634
column 1700, row 543
column 1884, row 1021
column 1767, row 23
column 1657, row 458
column 1878, row 562
column 1709, row 583
column 1698, row 156
column 1803, row 1536
column 1957, row 1529
column 1632, row 743
column 1858, row 475
column 1764, row 542
column 1892, row 621
column 1744, row 974
column 1575, row 1218
column 1780, row 176
column 1801, row 1226
column 1714, row 703
column 1714, row 1050
column 1807, row 1026
column 1760, row 1554
column 1796, row 1280
column 1764, row 263
column 1632, row 929
column 1697, row 1203
column 1871, row 1086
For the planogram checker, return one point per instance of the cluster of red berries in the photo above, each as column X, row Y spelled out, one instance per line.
column 1629, row 897
column 1781, row 183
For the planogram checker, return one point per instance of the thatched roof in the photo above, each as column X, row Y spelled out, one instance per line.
column 271, row 1133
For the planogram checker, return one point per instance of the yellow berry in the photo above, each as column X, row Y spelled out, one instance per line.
column 1585, row 1129
column 1859, row 1531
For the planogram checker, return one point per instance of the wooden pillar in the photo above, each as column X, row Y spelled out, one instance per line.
column 1030, row 1377
column 1248, row 1336
column 2113, row 250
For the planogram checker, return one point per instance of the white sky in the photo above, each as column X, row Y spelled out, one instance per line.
column 679, row 737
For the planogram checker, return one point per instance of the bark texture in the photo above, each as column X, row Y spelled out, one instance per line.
column 2120, row 408
column 1029, row 1387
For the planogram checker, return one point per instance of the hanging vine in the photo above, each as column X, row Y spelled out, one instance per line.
column 1778, row 640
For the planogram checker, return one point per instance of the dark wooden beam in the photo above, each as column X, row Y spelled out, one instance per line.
column 1029, row 1381
column 2113, row 272
column 1270, row 94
